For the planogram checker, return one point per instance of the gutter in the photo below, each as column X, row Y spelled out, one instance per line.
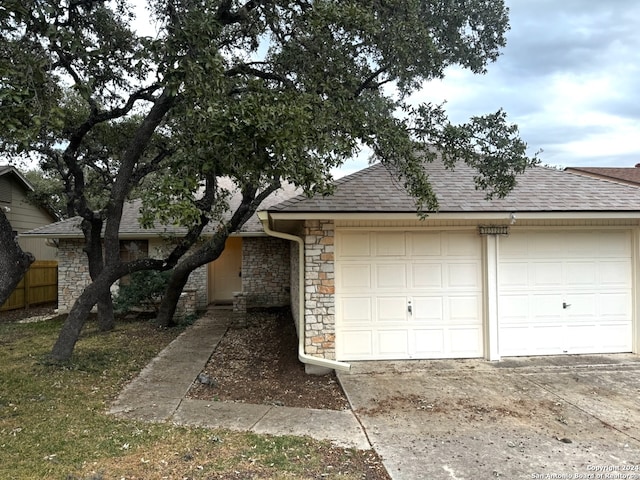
column 302, row 356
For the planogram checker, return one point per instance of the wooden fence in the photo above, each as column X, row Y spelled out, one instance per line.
column 39, row 285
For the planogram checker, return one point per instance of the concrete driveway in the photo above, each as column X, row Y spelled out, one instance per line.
column 544, row 417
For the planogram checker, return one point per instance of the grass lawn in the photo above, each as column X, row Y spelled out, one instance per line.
column 53, row 423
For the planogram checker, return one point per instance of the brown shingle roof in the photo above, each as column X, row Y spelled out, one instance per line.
column 539, row 189
column 626, row 175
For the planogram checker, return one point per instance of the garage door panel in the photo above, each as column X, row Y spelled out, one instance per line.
column 541, row 340
column 463, row 275
column 437, row 274
column 581, row 307
column 514, row 308
column 428, row 309
column 614, row 273
column 544, row 245
column 615, row 306
column 513, row 275
column 582, row 245
column 580, row 337
column 425, row 244
column 355, row 310
column 355, row 277
column 462, row 245
column 429, row 343
column 391, row 309
column 615, row 244
column 393, row 343
column 390, row 244
column 545, row 274
column 355, row 344
column 546, row 307
column 580, row 274
column 465, row 341
column 355, row 244
column 578, row 285
column 615, row 337
column 427, row 275
column 391, row 276
column 464, row 309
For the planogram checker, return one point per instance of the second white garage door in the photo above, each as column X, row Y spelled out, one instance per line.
column 565, row 293
column 408, row 295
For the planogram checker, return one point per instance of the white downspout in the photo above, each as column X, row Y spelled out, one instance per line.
column 302, row 356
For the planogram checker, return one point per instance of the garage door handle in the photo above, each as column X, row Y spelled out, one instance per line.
column 409, row 307
column 565, row 305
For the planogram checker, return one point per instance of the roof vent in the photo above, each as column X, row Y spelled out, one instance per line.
column 493, row 229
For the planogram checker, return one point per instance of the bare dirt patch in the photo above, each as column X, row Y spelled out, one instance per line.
column 37, row 311
column 257, row 363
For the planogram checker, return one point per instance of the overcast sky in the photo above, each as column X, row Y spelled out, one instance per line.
column 569, row 77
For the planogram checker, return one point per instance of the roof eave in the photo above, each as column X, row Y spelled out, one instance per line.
column 523, row 215
column 132, row 235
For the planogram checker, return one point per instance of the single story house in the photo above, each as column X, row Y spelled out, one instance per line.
column 253, row 270
column 553, row 268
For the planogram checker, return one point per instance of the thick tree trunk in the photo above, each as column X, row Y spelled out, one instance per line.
column 93, row 248
column 106, row 318
column 209, row 251
column 180, row 274
column 63, row 348
column 14, row 263
column 171, row 296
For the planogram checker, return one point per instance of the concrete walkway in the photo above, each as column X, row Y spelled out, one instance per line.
column 158, row 395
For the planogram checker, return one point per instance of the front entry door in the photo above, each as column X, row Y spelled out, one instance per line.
column 225, row 272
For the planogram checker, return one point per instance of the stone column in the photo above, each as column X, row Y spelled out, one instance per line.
column 319, row 289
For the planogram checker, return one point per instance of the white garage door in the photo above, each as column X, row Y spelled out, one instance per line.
column 565, row 292
column 408, row 295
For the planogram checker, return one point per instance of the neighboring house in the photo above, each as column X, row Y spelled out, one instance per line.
column 253, row 270
column 626, row 175
column 550, row 269
column 23, row 214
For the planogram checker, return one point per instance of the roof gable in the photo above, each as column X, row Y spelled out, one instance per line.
column 628, row 175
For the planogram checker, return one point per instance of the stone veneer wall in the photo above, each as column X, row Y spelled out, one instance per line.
column 266, row 271
column 198, row 282
column 73, row 272
column 73, row 275
column 319, row 288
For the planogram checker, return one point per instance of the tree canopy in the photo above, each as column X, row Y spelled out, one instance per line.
column 259, row 91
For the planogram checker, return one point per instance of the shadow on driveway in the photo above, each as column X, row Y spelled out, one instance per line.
column 568, row 416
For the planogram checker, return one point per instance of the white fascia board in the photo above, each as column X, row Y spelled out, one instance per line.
column 455, row 215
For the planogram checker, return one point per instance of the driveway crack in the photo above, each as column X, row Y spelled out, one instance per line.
column 579, row 408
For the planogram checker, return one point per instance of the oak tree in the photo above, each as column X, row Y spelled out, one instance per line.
column 259, row 91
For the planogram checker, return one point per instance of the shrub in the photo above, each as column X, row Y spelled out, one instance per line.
column 142, row 290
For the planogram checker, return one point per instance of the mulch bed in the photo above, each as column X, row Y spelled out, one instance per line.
column 258, row 363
